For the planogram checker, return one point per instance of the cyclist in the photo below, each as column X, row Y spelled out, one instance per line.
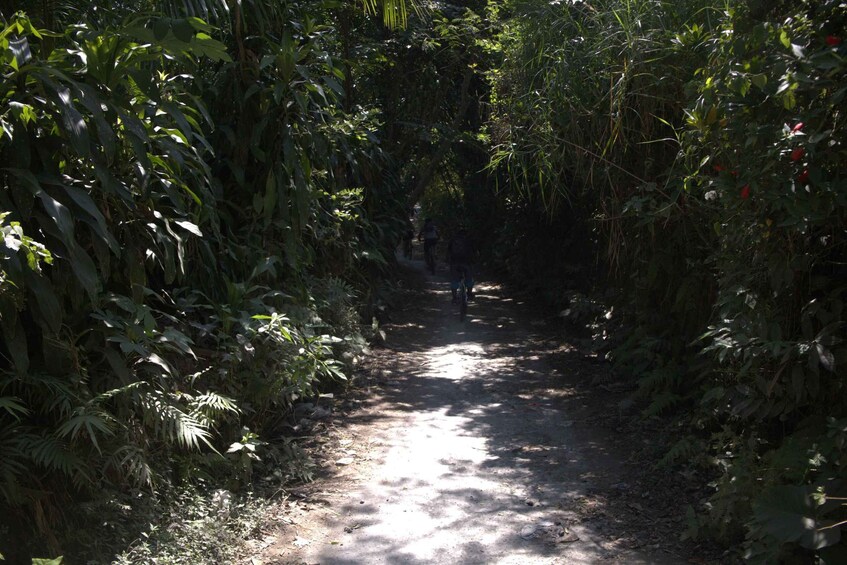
column 460, row 256
column 429, row 234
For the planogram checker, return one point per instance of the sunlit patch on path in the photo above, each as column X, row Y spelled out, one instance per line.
column 474, row 459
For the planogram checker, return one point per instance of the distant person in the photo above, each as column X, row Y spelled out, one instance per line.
column 429, row 234
column 408, row 236
column 460, row 256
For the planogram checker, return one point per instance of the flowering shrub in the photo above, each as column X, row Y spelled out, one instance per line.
column 775, row 83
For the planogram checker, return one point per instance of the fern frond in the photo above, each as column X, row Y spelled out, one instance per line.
column 210, row 407
column 681, row 451
column 658, row 380
column 116, row 392
column 12, row 463
column 90, row 421
column 171, row 423
column 44, row 394
column 662, row 402
column 130, row 461
column 54, row 454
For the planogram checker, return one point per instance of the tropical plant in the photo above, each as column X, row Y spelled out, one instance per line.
column 700, row 139
column 146, row 281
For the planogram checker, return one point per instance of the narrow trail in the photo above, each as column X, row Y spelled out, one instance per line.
column 469, row 445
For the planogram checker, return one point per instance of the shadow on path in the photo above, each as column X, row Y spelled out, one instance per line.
column 478, row 452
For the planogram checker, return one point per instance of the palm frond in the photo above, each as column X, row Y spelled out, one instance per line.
column 43, row 394
column 13, row 406
column 131, row 462
column 91, row 421
column 54, row 454
column 210, row 407
column 13, row 464
column 170, row 422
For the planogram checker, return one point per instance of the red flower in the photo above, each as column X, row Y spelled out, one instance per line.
column 797, row 128
column 745, row 192
column 803, row 178
column 833, row 40
column 734, row 173
column 718, row 168
column 797, row 154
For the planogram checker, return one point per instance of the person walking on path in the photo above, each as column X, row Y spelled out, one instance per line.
column 429, row 234
column 460, row 257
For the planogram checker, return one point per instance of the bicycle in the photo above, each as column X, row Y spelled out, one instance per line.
column 429, row 257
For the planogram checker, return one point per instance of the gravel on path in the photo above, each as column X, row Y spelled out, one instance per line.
column 470, row 445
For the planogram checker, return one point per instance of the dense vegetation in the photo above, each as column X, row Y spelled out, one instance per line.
column 192, row 234
column 701, row 147
column 201, row 201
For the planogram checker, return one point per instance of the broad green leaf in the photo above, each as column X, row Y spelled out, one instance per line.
column 156, row 360
column 84, row 201
column 105, row 135
column 21, row 51
column 117, row 364
column 142, row 79
column 110, row 184
column 334, row 85
column 202, row 44
column 161, row 29
column 174, row 111
column 183, row 30
column 257, row 203
column 60, row 215
column 85, row 270
column 16, row 344
column 827, row 359
column 75, row 125
column 47, row 301
column 788, row 514
column 188, row 226
column 199, row 25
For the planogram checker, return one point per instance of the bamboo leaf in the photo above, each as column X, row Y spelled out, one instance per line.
column 57, row 561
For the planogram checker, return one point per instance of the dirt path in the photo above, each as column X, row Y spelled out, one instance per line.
column 470, row 444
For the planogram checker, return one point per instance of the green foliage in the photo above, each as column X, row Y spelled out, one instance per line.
column 199, row 529
column 185, row 235
column 700, row 142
